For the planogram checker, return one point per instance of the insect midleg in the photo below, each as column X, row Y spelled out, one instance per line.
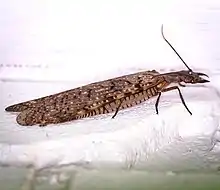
column 180, row 94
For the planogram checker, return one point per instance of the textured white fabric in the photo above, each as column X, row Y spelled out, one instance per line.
column 137, row 137
column 86, row 42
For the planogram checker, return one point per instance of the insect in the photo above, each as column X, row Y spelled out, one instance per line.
column 106, row 96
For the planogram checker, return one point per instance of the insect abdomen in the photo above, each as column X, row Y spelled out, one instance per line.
column 44, row 117
column 128, row 100
column 138, row 98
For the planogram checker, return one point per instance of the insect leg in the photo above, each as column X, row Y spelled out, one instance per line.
column 117, row 109
column 180, row 94
column 157, row 102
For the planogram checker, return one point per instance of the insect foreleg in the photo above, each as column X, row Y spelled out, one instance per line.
column 180, row 94
column 117, row 109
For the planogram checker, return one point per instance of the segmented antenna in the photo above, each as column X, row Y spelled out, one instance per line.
column 174, row 49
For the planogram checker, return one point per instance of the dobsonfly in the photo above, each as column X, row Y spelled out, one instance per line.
column 105, row 96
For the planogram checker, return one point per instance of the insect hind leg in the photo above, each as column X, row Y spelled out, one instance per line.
column 157, row 103
column 117, row 109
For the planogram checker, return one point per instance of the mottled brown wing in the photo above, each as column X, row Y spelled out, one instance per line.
column 89, row 100
column 85, row 95
column 43, row 117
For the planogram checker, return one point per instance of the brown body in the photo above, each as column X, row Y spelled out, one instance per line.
column 89, row 100
column 104, row 97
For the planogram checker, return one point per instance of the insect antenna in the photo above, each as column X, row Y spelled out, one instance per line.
column 174, row 49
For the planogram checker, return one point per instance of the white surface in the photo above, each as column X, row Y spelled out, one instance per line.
column 84, row 42
column 137, row 137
